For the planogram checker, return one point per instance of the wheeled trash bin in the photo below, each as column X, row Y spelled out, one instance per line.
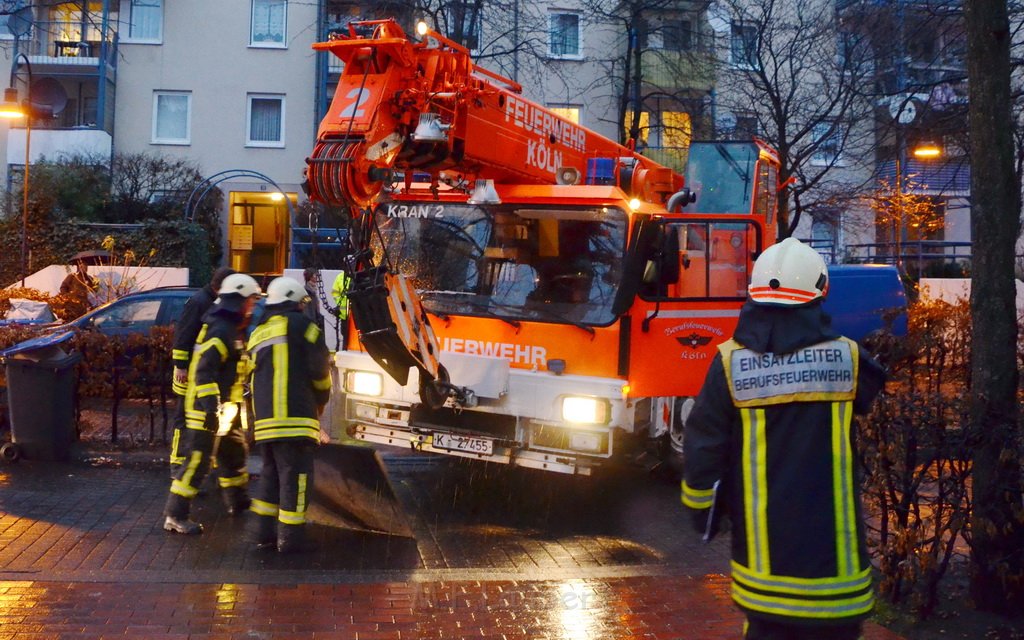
column 41, row 403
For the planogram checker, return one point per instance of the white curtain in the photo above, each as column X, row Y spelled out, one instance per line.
column 146, row 19
column 268, row 21
column 172, row 116
column 265, row 120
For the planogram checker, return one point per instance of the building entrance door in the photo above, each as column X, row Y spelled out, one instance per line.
column 259, row 231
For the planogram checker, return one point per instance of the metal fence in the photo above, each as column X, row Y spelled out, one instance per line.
column 918, row 257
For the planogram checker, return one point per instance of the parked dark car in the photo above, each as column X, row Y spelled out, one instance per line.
column 134, row 313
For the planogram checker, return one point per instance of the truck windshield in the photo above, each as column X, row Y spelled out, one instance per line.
column 512, row 261
column 722, row 176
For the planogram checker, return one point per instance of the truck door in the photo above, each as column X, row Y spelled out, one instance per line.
column 679, row 324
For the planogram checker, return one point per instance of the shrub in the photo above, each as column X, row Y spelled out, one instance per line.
column 917, row 496
column 70, row 194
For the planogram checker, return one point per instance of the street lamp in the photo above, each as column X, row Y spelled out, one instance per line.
column 13, row 108
column 912, row 209
column 927, row 150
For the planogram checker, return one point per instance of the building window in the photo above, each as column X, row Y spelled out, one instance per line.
column 827, row 143
column 564, row 35
column 644, row 126
column 676, row 129
column 265, row 125
column 746, row 127
column 269, row 23
column 676, row 35
column 823, row 235
column 465, row 24
column 5, row 31
column 569, row 112
column 743, row 47
column 143, row 21
column 90, row 111
column 172, row 117
column 70, row 24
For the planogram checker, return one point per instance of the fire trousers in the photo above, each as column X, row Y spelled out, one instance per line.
column 196, row 447
column 280, row 499
column 177, row 457
column 760, row 629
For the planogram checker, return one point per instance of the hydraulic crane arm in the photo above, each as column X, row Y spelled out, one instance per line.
column 424, row 107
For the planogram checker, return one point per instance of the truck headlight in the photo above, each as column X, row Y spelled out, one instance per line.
column 364, row 383
column 582, row 410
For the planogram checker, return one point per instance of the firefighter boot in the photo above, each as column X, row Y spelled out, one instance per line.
column 261, row 531
column 291, row 538
column 176, row 517
column 236, row 499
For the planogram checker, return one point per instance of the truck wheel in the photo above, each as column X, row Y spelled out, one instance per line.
column 10, row 452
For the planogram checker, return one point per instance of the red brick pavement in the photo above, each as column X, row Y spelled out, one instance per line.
column 653, row 608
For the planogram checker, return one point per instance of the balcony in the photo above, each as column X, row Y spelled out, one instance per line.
column 59, row 47
column 932, row 6
column 51, row 143
column 692, row 70
column 672, row 157
column 950, row 178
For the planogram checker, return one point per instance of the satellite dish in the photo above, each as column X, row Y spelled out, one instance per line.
column 19, row 22
column 49, row 93
column 725, row 123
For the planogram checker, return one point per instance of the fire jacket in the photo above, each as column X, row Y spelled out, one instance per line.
column 771, row 441
column 186, row 330
column 291, row 379
column 216, row 370
column 339, row 291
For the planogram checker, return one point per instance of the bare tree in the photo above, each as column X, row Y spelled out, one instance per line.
column 801, row 74
column 658, row 67
column 496, row 31
column 997, row 523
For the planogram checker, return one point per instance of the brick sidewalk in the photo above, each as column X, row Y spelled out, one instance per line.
column 82, row 555
column 653, row 608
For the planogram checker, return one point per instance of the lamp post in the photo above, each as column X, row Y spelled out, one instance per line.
column 909, row 207
column 12, row 108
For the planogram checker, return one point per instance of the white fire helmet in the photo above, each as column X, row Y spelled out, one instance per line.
column 241, row 284
column 285, row 290
column 788, row 273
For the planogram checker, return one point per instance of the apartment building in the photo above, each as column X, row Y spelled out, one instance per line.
column 228, row 85
column 234, row 87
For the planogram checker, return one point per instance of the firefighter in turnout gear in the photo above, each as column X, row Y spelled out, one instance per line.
column 213, row 398
column 771, row 442
column 291, row 383
column 186, row 329
column 339, row 291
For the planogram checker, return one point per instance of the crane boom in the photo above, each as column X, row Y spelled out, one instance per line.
column 424, row 107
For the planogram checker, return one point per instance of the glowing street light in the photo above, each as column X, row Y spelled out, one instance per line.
column 927, row 151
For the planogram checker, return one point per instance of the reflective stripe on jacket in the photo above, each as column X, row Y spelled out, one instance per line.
column 291, row 378
column 339, row 291
column 776, row 429
column 213, row 372
column 186, row 330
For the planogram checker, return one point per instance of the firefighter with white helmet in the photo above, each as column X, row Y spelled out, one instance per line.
column 770, row 444
column 291, row 383
column 213, row 397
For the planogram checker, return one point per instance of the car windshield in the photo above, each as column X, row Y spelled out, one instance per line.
column 523, row 263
